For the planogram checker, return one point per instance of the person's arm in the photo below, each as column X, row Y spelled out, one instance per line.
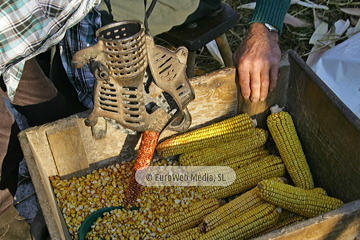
column 49, row 22
column 257, row 58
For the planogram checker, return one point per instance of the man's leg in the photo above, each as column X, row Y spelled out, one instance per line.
column 9, row 149
column 38, row 100
column 12, row 226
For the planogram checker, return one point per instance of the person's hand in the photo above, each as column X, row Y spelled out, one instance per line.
column 257, row 62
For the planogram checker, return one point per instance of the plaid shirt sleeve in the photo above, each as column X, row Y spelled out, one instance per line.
column 30, row 27
column 82, row 35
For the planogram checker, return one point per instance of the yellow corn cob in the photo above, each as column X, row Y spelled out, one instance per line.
column 233, row 209
column 216, row 154
column 247, row 177
column 181, row 221
column 246, row 225
column 283, row 132
column 245, row 158
column 190, row 234
column 286, row 218
column 319, row 191
column 304, row 202
column 223, row 131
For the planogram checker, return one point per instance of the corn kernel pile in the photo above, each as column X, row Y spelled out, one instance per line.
column 79, row 197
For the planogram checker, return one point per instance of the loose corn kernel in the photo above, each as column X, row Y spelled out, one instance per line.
column 105, row 188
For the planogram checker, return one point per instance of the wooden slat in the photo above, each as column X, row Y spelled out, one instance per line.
column 68, row 151
column 215, row 99
column 340, row 224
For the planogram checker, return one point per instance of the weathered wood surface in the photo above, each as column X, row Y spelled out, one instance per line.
column 340, row 224
column 328, row 131
column 36, row 150
column 68, row 151
column 215, row 99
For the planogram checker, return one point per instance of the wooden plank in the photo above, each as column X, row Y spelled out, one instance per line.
column 116, row 146
column 340, row 224
column 328, row 131
column 39, row 177
column 215, row 99
column 40, row 148
column 68, row 151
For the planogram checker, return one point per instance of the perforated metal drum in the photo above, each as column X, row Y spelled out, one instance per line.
column 140, row 85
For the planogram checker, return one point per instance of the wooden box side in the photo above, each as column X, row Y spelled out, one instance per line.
column 328, row 130
column 216, row 98
column 45, row 195
column 340, row 224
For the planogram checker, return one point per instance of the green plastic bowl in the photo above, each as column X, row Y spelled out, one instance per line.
column 89, row 221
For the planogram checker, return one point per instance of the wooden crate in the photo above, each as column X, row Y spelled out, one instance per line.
column 328, row 130
column 67, row 148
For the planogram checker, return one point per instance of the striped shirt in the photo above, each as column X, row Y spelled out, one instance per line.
column 31, row 27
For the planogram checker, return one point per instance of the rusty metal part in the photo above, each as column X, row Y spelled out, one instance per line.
column 140, row 85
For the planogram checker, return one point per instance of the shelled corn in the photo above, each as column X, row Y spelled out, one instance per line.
column 282, row 130
column 213, row 155
column 304, row 202
column 234, row 208
column 224, row 131
column 247, row 177
column 79, row 197
column 246, row 225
